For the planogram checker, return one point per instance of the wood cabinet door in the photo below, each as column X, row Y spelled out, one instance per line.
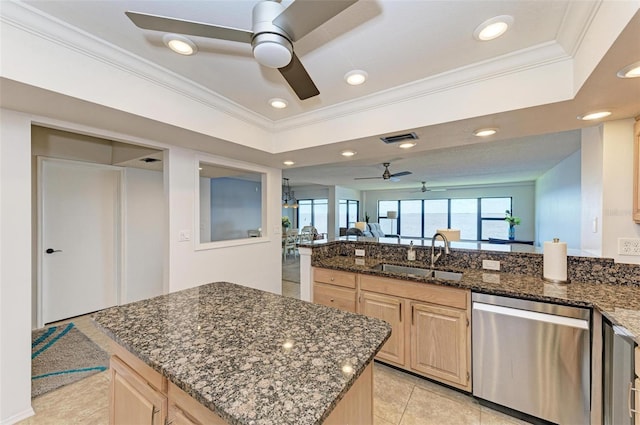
column 439, row 343
column 185, row 410
column 388, row 309
column 133, row 400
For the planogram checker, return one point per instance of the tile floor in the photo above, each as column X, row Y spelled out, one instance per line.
column 399, row 398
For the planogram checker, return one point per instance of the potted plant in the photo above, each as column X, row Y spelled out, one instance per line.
column 513, row 222
column 286, row 222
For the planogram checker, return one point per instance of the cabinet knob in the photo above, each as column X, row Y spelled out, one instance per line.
column 331, row 300
column 332, row 279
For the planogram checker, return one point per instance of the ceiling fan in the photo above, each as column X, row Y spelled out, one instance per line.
column 424, row 188
column 386, row 175
column 273, row 31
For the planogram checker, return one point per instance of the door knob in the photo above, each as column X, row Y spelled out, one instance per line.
column 51, row 250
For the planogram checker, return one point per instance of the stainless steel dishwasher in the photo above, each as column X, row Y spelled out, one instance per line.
column 532, row 357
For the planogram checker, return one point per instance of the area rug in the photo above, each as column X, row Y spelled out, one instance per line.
column 61, row 355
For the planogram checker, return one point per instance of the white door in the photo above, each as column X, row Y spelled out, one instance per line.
column 79, row 227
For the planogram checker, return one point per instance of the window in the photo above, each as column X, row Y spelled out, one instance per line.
column 347, row 212
column 230, row 203
column 388, row 225
column 436, row 215
column 492, row 217
column 411, row 218
column 477, row 218
column 313, row 212
column 464, row 216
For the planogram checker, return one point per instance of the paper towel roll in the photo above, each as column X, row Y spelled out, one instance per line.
column 554, row 262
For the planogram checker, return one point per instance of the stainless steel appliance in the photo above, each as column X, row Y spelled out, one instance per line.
column 532, row 357
column 619, row 374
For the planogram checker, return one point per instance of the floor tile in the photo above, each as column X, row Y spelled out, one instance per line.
column 391, row 393
column 429, row 408
column 377, row 420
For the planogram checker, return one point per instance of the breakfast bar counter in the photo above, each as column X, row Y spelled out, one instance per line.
column 249, row 356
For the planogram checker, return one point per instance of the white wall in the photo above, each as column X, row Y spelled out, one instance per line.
column 15, row 266
column 182, row 265
column 591, row 190
column 253, row 262
column 523, row 201
column 617, row 189
column 144, row 236
column 558, row 203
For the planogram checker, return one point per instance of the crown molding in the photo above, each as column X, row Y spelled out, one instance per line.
column 536, row 57
column 29, row 19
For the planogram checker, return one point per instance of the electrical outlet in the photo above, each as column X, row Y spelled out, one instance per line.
column 629, row 246
column 359, row 252
column 491, row 265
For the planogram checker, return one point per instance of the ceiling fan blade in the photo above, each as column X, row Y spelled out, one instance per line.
column 366, row 178
column 401, row 173
column 172, row 25
column 299, row 79
column 303, row 16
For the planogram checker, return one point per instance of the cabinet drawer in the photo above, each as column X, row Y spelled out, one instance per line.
column 334, row 296
column 434, row 294
column 335, row 277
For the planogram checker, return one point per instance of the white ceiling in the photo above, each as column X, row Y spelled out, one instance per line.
column 400, row 44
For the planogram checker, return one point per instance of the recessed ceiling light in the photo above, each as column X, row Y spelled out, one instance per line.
column 407, row 145
column 630, row 71
column 493, row 28
column 288, row 162
column 594, row 115
column 180, row 44
column 278, row 103
column 485, row 132
column 355, row 77
column 348, row 153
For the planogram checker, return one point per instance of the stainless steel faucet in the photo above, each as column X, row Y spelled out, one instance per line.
column 434, row 257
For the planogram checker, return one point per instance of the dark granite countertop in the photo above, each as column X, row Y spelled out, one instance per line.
column 250, row 356
column 619, row 303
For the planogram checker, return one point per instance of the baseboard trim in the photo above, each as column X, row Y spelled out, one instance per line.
column 18, row 417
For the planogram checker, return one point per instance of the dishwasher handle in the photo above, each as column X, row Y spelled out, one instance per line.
column 532, row 315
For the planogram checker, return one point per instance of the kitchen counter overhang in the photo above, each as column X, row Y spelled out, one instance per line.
column 248, row 355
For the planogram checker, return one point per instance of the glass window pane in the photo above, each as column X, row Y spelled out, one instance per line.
column 435, row 216
column 464, row 216
column 384, row 206
column 352, row 213
column 304, row 213
column 411, row 218
column 498, row 229
column 494, row 207
column 320, row 214
column 342, row 213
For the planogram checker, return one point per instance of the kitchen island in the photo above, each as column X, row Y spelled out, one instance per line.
column 250, row 357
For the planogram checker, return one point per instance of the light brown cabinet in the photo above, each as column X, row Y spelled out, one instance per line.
column 335, row 288
column 133, row 399
column 142, row 396
column 439, row 343
column 430, row 335
column 389, row 309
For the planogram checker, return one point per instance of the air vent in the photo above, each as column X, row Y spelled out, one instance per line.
column 399, row 138
column 150, row 160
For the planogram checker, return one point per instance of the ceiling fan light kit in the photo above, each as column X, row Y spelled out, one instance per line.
column 272, row 50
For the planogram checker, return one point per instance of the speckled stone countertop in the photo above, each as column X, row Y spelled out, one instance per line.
column 619, row 303
column 250, row 356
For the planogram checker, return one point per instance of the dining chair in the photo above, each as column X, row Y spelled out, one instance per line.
column 290, row 243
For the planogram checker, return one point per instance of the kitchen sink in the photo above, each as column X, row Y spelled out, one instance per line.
column 418, row 271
